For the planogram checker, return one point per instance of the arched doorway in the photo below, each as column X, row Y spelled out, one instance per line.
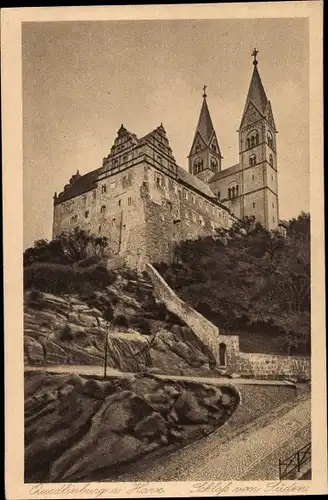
column 222, row 354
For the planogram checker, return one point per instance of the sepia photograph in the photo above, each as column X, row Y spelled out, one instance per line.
column 167, row 237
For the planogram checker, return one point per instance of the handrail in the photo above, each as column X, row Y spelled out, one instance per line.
column 294, row 461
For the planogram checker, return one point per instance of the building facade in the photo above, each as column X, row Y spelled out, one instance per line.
column 145, row 203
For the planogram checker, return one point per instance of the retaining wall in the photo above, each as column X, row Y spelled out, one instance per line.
column 206, row 332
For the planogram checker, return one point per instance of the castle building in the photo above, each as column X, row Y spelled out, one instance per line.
column 145, row 203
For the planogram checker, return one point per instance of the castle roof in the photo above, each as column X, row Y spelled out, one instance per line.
column 81, row 185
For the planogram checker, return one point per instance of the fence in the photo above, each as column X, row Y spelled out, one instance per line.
column 294, row 462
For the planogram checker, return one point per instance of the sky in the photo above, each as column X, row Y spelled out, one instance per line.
column 82, row 80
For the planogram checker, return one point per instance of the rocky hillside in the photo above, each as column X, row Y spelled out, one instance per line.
column 142, row 334
column 79, row 429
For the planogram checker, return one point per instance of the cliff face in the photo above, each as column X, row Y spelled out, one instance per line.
column 142, row 334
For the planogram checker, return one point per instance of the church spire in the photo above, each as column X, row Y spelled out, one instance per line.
column 256, row 93
column 205, row 155
column 205, row 125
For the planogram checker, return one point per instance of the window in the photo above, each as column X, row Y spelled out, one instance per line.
column 193, row 198
column 115, row 162
column 272, row 205
column 103, row 188
column 237, row 188
column 252, row 139
column 99, row 229
column 270, row 140
column 94, row 194
column 252, row 160
column 119, row 203
column 175, row 188
column 219, row 195
column 113, row 222
column 125, row 157
column 198, row 147
column 229, row 193
column 124, row 227
column 198, row 165
column 214, row 147
column 129, row 201
column 113, row 184
column 86, row 214
column 84, row 198
column 103, row 209
column 214, row 165
column 159, row 180
column 159, row 159
column 222, row 354
column 185, row 194
column 271, row 160
column 73, row 219
column 253, row 205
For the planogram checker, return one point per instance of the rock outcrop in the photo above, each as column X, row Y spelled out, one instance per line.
column 142, row 334
column 79, row 429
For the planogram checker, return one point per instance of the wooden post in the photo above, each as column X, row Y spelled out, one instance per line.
column 106, row 351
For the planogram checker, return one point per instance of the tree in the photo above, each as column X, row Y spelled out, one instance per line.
column 246, row 276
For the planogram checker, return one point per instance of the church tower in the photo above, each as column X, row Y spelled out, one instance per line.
column 205, row 156
column 258, row 155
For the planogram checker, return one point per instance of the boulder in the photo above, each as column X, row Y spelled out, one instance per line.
column 154, row 425
column 33, row 350
column 188, row 410
column 87, row 320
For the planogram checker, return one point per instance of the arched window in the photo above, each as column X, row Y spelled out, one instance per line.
column 252, row 139
column 271, row 160
column 214, row 165
column 222, row 354
column 270, row 140
column 229, row 193
column 233, row 191
column 252, row 160
column 237, row 190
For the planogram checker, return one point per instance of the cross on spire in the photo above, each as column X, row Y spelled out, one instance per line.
column 204, row 91
column 254, row 54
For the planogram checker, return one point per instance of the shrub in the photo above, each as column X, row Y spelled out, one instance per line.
column 89, row 261
column 142, row 325
column 120, row 320
column 61, row 279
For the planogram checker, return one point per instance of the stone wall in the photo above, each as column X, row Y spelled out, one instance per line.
column 206, row 332
column 248, row 365
column 266, row 366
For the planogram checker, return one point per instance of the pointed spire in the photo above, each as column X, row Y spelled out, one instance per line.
column 205, row 125
column 256, row 93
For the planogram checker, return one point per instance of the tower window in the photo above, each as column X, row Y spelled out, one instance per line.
column 214, row 147
column 129, row 201
column 271, row 160
column 229, row 193
column 233, row 191
column 252, row 139
column 252, row 160
column 119, row 203
column 86, row 214
column 253, row 204
column 214, row 165
column 270, row 140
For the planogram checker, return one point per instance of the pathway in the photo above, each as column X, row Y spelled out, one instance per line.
column 251, row 455
column 112, row 372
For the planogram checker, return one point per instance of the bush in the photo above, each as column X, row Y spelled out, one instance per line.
column 61, row 279
column 120, row 320
column 89, row 261
column 142, row 325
